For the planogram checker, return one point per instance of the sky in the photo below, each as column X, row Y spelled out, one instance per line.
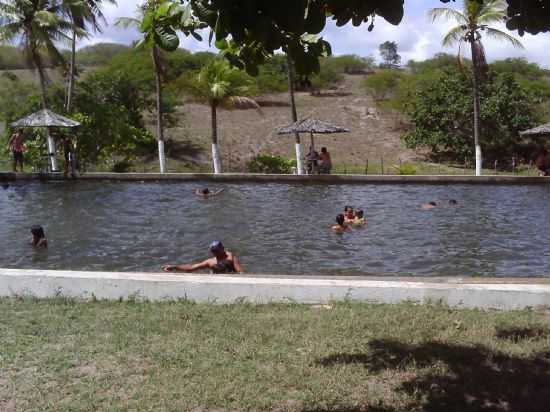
column 417, row 37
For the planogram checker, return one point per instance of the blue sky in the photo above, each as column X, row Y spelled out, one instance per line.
column 418, row 38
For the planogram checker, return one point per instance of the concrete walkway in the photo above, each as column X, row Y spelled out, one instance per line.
column 455, row 292
column 246, row 177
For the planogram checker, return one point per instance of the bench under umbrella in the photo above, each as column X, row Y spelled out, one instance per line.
column 312, row 126
column 46, row 118
column 540, row 131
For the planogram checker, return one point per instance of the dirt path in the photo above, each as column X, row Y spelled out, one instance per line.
column 244, row 134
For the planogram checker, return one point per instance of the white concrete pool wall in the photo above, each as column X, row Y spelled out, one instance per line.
column 252, row 178
column 504, row 294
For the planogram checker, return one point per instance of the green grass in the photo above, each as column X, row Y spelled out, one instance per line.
column 61, row 355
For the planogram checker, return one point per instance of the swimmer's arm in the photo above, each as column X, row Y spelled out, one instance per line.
column 42, row 243
column 237, row 264
column 218, row 192
column 187, row 268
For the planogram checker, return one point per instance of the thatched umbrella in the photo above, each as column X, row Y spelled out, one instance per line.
column 312, row 126
column 540, row 131
column 46, row 118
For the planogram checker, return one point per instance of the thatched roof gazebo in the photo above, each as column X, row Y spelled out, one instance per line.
column 540, row 131
column 312, row 126
column 44, row 118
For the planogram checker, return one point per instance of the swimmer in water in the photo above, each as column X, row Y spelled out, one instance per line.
column 206, row 193
column 430, row 205
column 360, row 218
column 349, row 215
column 38, row 237
column 341, row 226
column 453, row 202
column 223, row 262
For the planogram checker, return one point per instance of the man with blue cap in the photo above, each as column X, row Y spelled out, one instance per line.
column 223, row 261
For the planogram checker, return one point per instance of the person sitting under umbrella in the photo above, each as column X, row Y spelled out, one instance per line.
column 312, row 158
column 543, row 162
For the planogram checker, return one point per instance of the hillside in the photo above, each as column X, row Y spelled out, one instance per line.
column 244, row 134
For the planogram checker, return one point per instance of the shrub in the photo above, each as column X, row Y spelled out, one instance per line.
column 122, row 166
column 271, row 165
column 405, row 169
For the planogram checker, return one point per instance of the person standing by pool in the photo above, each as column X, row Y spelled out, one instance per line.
column 325, row 165
column 223, row 261
column 312, row 159
column 15, row 144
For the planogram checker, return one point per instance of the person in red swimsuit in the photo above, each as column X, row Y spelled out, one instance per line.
column 15, row 144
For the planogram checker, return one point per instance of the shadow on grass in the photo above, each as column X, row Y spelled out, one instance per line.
column 520, row 334
column 476, row 378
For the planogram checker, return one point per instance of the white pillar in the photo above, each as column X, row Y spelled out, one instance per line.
column 216, row 158
column 479, row 160
column 162, row 157
column 299, row 160
column 51, row 151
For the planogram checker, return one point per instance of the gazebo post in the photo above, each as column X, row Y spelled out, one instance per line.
column 51, row 150
column 312, row 141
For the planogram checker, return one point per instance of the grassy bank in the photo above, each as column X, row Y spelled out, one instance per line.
column 58, row 355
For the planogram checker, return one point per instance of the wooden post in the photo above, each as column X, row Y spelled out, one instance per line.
column 382, row 164
column 367, row 167
column 496, row 165
column 514, row 164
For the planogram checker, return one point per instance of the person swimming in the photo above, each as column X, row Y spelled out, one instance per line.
column 429, row 205
column 453, row 202
column 39, row 237
column 360, row 218
column 223, row 261
column 349, row 215
column 206, row 193
column 341, row 225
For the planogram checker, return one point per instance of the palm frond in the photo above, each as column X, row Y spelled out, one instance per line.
column 455, row 35
column 241, row 103
column 447, row 13
column 497, row 34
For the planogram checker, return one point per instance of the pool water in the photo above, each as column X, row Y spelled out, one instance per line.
column 280, row 228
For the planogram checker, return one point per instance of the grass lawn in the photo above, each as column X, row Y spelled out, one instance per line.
column 61, row 355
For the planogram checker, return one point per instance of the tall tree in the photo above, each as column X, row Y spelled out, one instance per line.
column 39, row 25
column 475, row 19
column 221, row 86
column 388, row 51
column 84, row 15
column 159, row 21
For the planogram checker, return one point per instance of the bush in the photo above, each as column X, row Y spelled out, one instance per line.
column 405, row 169
column 271, row 165
column 122, row 166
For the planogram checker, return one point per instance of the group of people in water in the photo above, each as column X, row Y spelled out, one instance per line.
column 225, row 261
column 345, row 222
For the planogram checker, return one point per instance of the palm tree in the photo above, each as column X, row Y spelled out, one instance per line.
column 38, row 25
column 472, row 22
column 158, row 21
column 84, row 15
column 294, row 114
column 221, row 86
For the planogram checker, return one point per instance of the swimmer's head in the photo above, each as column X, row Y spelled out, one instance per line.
column 205, row 191
column 453, row 202
column 346, row 208
column 340, row 219
column 432, row 203
column 216, row 247
column 38, row 232
column 359, row 214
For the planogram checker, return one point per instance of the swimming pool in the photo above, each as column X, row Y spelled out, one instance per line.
column 280, row 228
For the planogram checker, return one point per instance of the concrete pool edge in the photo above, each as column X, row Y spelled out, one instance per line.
column 245, row 177
column 459, row 293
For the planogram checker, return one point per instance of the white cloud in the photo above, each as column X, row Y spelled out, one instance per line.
column 417, row 37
